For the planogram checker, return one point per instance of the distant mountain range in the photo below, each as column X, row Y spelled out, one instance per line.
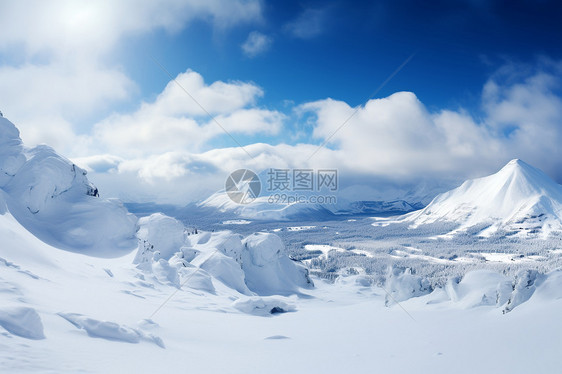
column 263, row 210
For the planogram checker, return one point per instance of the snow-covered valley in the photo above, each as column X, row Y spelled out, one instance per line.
column 471, row 283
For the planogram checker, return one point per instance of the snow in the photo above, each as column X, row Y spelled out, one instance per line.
column 236, row 222
column 300, row 228
column 518, row 198
column 160, row 236
column 264, row 306
column 261, row 209
column 402, row 285
column 109, row 330
column 267, row 268
column 478, row 288
column 82, row 291
column 323, row 248
column 22, row 321
column 53, row 199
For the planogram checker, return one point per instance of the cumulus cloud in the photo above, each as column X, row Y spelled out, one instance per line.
column 256, row 43
column 54, row 68
column 178, row 121
column 391, row 143
column 398, row 136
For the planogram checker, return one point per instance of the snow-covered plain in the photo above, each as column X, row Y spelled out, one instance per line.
column 86, row 287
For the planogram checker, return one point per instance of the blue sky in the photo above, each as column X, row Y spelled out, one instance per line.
column 353, row 47
column 482, row 87
column 356, row 45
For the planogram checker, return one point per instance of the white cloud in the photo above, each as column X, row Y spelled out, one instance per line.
column 55, row 70
column 45, row 99
column 93, row 27
column 389, row 143
column 181, row 177
column 174, row 121
column 309, row 24
column 256, row 43
column 57, row 74
column 527, row 112
column 216, row 98
column 99, row 163
column 397, row 136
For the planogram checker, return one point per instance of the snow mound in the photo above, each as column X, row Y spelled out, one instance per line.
column 263, row 248
column 22, row 321
column 110, row 330
column 479, row 288
column 225, row 269
column 518, row 199
column 268, row 269
column 53, row 199
column 488, row 288
column 548, row 288
column 263, row 306
column 402, row 284
column 256, row 264
column 524, row 286
column 160, row 236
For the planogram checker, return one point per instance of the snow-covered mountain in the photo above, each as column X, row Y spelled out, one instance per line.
column 53, row 199
column 518, row 199
column 261, row 209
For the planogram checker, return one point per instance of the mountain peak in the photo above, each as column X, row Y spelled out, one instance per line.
column 516, row 194
column 517, row 163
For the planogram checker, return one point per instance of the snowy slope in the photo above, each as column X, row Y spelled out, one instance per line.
column 66, row 312
column 53, row 199
column 208, row 302
column 517, row 199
